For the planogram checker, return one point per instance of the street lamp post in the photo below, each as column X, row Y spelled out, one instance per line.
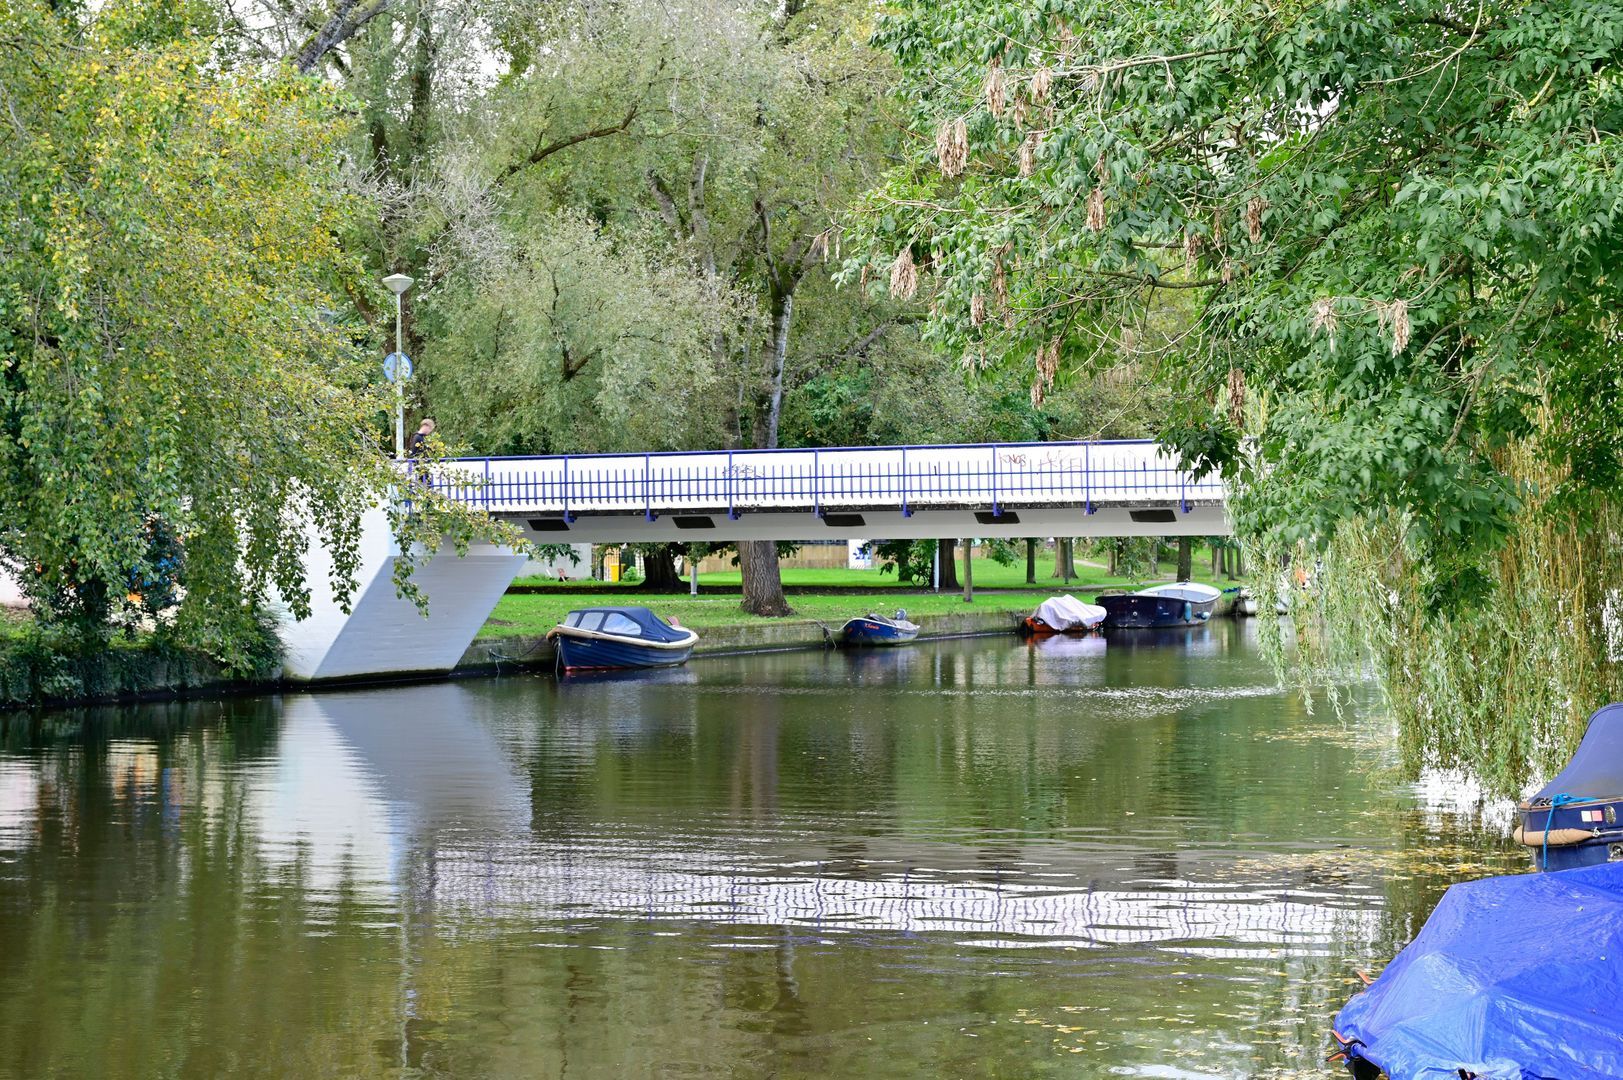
column 398, row 284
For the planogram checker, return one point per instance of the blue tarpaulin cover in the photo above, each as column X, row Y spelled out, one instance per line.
column 1512, row 978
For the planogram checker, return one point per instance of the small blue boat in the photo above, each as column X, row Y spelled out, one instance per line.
column 620, row 637
column 1517, row 977
column 1184, row 603
column 871, row 629
column 1574, row 820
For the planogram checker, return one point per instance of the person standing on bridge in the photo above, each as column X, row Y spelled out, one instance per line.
column 419, row 441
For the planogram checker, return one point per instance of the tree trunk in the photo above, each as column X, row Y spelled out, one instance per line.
column 1031, row 561
column 780, row 355
column 659, row 569
column 1115, row 557
column 1239, row 563
column 1215, row 550
column 969, row 571
column 763, row 583
column 1186, row 558
column 1064, row 564
column 949, row 567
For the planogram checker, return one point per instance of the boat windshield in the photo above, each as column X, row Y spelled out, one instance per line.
column 616, row 623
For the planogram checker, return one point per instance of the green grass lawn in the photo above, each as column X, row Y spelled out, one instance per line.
column 523, row 614
column 536, row 613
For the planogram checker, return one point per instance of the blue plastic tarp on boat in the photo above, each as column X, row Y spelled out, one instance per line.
column 1512, row 978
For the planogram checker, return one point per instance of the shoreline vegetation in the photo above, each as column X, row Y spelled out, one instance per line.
column 37, row 671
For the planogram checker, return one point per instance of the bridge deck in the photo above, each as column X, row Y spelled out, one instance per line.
column 989, row 477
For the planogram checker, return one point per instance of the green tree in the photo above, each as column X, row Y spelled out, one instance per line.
column 742, row 130
column 171, row 364
column 1375, row 246
column 568, row 338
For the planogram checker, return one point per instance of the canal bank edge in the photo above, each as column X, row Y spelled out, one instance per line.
column 31, row 677
column 493, row 655
column 34, row 677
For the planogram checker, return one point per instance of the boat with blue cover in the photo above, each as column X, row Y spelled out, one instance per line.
column 1574, row 820
column 1183, row 603
column 620, row 637
column 1517, row 977
column 871, row 629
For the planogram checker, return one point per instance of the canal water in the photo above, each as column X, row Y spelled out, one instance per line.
column 979, row 858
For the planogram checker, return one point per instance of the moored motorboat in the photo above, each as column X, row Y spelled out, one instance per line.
column 620, row 637
column 1574, row 820
column 1182, row 603
column 1062, row 615
column 871, row 629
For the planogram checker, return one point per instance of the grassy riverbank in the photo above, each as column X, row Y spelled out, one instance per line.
column 842, row 595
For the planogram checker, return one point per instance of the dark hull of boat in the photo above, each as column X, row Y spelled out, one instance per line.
column 1153, row 611
column 867, row 633
column 1579, row 832
column 588, row 653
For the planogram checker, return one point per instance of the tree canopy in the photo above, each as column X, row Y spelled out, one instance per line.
column 1393, row 228
column 176, row 364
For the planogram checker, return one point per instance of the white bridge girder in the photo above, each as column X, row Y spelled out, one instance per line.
column 886, row 524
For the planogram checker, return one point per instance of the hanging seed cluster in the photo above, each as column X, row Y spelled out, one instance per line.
column 993, row 87
column 1000, row 278
column 1323, row 319
column 952, row 147
column 1028, row 153
column 1393, row 319
column 1047, row 367
column 1041, row 85
column 1096, row 198
column 1236, row 397
column 904, row 276
column 1253, row 218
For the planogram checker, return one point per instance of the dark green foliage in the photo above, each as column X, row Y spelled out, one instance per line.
column 45, row 665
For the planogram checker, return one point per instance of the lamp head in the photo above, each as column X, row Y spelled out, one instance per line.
column 398, row 283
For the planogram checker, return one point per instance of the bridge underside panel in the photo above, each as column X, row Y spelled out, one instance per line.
column 886, row 524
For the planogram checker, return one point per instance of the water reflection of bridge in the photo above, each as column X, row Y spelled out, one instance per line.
column 364, row 799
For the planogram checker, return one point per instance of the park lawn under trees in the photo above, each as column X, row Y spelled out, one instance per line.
column 988, row 575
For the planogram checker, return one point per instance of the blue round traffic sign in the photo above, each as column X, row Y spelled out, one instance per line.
column 397, row 367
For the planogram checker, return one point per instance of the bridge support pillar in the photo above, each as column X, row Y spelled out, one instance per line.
column 383, row 634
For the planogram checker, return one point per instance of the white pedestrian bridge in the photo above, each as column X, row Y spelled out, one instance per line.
column 1122, row 488
column 894, row 492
